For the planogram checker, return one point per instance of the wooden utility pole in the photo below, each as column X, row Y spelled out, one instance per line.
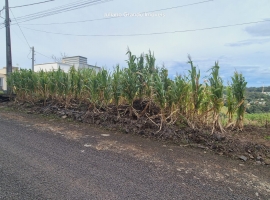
column 8, row 45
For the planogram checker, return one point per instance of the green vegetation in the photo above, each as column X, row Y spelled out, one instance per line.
column 267, row 137
column 216, row 96
column 258, row 102
column 261, row 119
column 238, row 90
column 184, row 100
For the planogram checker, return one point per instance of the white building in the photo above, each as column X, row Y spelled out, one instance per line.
column 3, row 77
column 78, row 62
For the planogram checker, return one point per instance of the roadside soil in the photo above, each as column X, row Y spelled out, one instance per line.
column 188, row 161
column 251, row 145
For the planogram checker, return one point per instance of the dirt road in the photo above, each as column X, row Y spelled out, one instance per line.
column 46, row 158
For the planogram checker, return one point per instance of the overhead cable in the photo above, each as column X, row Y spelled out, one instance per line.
column 146, row 34
column 99, row 19
column 20, row 29
column 59, row 10
column 32, row 4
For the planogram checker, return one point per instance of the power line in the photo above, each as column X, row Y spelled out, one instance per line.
column 20, row 29
column 31, row 4
column 99, row 19
column 60, row 9
column 155, row 33
column 43, row 55
column 65, row 6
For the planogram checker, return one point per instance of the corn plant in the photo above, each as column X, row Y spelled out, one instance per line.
column 177, row 94
column 117, row 87
column 206, row 105
column 238, row 89
column 196, row 90
column 150, row 62
column 160, row 95
column 43, row 85
column 216, row 96
column 130, row 81
column 230, row 102
column 104, row 80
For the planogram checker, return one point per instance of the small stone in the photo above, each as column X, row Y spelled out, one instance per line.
column 141, row 132
column 244, row 158
column 201, row 147
column 258, row 162
column 64, row 117
column 259, row 158
column 87, row 145
column 218, row 137
column 98, row 122
column 251, row 156
column 267, row 161
column 105, row 135
column 258, row 147
column 257, row 194
column 139, row 125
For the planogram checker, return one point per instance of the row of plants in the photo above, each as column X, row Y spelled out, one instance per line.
column 183, row 100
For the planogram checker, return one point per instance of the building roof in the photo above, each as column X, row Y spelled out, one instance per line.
column 53, row 63
column 74, row 57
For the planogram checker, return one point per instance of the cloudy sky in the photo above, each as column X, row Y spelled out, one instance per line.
column 244, row 48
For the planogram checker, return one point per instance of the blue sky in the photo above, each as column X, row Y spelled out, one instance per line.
column 243, row 48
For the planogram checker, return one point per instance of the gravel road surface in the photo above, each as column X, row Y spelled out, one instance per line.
column 43, row 158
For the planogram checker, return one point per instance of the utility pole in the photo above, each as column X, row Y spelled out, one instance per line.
column 33, row 58
column 8, row 46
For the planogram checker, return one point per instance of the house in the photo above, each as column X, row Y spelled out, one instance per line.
column 266, row 93
column 78, row 62
column 3, row 77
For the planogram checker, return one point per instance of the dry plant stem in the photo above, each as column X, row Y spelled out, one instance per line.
column 217, row 125
column 151, row 120
column 145, row 109
column 230, row 125
column 136, row 113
